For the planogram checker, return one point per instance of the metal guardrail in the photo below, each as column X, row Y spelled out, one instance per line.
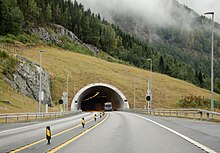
column 185, row 113
column 21, row 117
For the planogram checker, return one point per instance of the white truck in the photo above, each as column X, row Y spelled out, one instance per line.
column 108, row 106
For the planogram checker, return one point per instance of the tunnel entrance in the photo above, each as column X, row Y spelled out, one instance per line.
column 94, row 96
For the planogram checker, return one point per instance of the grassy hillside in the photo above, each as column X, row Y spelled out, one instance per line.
column 14, row 102
column 84, row 70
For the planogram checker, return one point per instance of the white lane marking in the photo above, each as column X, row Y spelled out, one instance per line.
column 40, row 124
column 181, row 135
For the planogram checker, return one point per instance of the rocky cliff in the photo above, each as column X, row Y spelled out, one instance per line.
column 54, row 34
column 25, row 79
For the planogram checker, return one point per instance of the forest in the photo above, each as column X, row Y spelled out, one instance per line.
column 175, row 57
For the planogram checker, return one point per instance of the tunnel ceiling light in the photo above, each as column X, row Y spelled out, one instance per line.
column 97, row 93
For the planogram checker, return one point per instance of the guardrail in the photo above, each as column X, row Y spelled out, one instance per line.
column 21, row 117
column 184, row 113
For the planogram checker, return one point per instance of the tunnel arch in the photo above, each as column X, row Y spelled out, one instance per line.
column 93, row 97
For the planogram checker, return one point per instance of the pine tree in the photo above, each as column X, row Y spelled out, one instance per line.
column 11, row 18
column 200, row 78
column 161, row 65
column 48, row 14
column 1, row 15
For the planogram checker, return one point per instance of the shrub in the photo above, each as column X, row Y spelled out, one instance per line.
column 3, row 54
column 23, row 39
column 6, row 39
column 9, row 66
column 194, row 102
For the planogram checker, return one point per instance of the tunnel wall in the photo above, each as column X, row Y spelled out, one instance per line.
column 77, row 100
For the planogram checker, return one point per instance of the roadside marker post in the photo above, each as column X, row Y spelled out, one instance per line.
column 95, row 117
column 83, row 122
column 48, row 134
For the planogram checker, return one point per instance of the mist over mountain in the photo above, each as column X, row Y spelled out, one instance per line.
column 151, row 11
column 172, row 28
column 151, row 20
column 157, row 12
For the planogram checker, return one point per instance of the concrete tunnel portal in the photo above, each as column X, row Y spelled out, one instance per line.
column 93, row 96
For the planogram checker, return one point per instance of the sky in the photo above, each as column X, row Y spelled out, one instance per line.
column 147, row 8
column 202, row 6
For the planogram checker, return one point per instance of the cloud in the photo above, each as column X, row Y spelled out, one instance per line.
column 202, row 6
column 156, row 11
column 153, row 12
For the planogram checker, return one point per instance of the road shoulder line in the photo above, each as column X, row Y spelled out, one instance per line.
column 180, row 135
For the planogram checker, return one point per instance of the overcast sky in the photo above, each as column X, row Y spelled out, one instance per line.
column 202, row 6
column 147, row 8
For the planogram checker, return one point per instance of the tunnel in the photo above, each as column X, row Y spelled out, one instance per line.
column 93, row 97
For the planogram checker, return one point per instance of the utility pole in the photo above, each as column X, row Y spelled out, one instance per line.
column 134, row 96
column 212, row 64
column 40, row 90
column 74, row 88
column 67, row 90
column 150, row 93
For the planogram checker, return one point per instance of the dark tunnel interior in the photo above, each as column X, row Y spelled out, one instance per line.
column 94, row 98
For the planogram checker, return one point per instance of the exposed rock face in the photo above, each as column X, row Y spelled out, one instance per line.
column 56, row 32
column 26, row 79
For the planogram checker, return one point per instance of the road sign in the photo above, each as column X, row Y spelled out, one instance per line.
column 148, row 98
column 60, row 101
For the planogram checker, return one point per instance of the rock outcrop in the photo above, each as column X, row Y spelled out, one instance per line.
column 25, row 79
column 54, row 33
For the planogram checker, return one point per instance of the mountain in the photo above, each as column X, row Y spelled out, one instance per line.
column 176, row 38
column 174, row 31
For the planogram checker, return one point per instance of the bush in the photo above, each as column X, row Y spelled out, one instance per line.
column 5, row 39
column 9, row 66
column 23, row 39
column 194, row 102
column 3, row 54
column 217, row 104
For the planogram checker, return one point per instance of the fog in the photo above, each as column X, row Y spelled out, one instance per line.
column 202, row 6
column 156, row 11
column 153, row 11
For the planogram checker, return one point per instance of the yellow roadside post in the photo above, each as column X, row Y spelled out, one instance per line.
column 95, row 117
column 48, row 134
column 83, row 122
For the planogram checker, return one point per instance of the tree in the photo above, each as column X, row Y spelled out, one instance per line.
column 48, row 14
column 1, row 15
column 86, row 30
column 30, row 10
column 108, row 38
column 11, row 18
column 161, row 65
column 200, row 78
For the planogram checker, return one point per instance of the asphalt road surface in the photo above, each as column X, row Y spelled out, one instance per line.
column 117, row 132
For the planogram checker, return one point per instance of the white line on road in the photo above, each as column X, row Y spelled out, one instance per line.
column 181, row 135
column 39, row 124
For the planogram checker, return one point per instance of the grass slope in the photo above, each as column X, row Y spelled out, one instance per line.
column 84, row 70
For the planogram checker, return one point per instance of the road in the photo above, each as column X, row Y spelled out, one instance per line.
column 118, row 132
